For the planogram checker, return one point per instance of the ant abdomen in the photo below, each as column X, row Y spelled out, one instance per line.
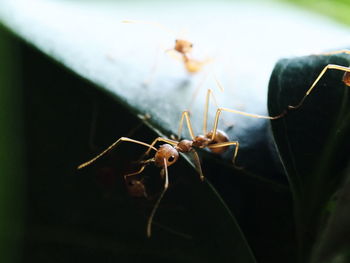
column 168, row 153
column 346, row 78
column 220, row 137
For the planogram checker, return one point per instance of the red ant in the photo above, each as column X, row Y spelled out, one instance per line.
column 168, row 153
column 182, row 46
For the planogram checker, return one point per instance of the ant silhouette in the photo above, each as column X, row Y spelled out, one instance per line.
column 346, row 76
column 182, row 47
column 167, row 154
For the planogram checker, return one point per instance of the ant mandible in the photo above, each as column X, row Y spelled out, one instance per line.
column 168, row 153
column 182, row 46
column 346, row 76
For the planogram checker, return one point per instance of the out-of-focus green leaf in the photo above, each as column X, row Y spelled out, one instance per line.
column 312, row 140
column 334, row 242
column 74, row 210
column 11, row 151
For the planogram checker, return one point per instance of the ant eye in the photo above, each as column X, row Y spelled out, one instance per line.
column 191, row 45
column 171, row 159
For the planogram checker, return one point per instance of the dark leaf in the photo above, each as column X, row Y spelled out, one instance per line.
column 312, row 139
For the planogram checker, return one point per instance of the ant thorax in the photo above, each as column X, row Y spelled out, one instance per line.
column 184, row 146
column 202, row 141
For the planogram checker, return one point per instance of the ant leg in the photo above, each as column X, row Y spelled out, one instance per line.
column 329, row 66
column 197, row 89
column 122, row 139
column 219, row 110
column 166, row 185
column 223, row 144
column 206, row 109
column 160, row 139
column 150, row 78
column 185, row 115
column 197, row 163
column 137, row 172
column 174, row 54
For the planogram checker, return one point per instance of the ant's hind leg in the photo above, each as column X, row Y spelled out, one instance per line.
column 346, row 80
column 252, row 115
column 224, row 144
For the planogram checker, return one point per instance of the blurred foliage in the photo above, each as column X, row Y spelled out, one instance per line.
column 11, row 151
column 89, row 215
column 339, row 10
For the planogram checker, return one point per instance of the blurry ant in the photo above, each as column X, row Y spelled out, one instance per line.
column 168, row 153
column 346, row 76
column 182, row 46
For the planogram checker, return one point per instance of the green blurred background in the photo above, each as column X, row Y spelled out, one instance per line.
column 24, row 141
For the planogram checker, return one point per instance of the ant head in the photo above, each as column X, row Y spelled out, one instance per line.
column 167, row 152
column 183, row 46
column 220, row 137
column 346, row 78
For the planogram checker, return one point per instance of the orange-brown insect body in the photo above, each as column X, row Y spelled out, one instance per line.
column 166, row 152
column 183, row 46
column 346, row 78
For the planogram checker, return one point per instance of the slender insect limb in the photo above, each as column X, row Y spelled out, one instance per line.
column 223, row 144
column 197, row 89
column 150, row 78
column 137, row 172
column 166, row 185
column 185, row 116
column 219, row 110
column 329, row 66
column 122, row 139
column 217, row 82
column 174, row 55
column 197, row 163
column 206, row 109
column 199, row 86
column 159, row 139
